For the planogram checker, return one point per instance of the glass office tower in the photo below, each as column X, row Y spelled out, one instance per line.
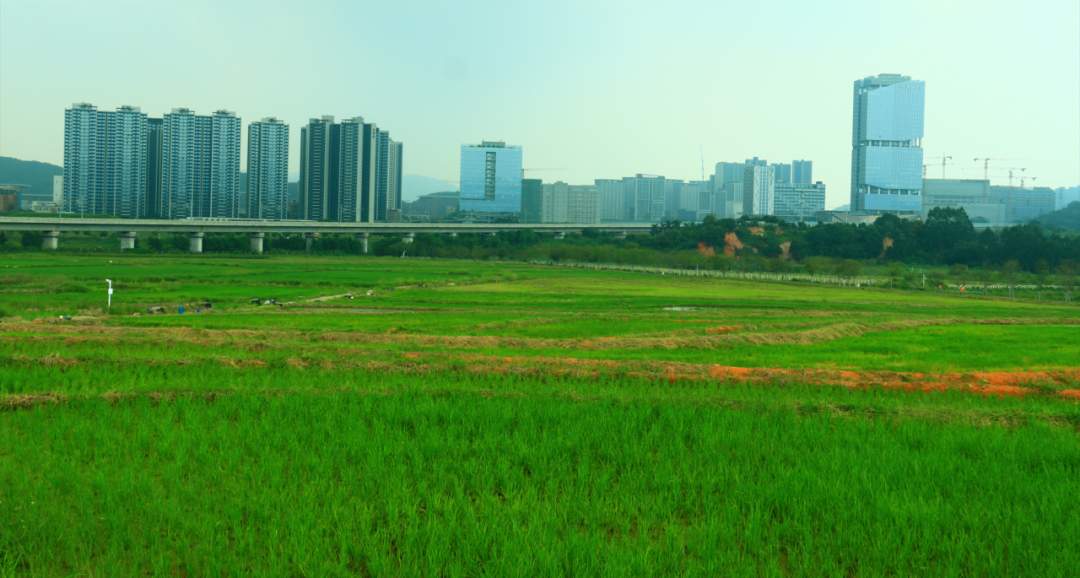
column 886, row 144
column 491, row 178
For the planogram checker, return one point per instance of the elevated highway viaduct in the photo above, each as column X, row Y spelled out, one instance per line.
column 196, row 229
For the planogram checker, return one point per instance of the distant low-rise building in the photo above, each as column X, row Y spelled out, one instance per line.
column 986, row 204
column 612, row 199
column 563, row 203
column 799, row 201
column 431, row 207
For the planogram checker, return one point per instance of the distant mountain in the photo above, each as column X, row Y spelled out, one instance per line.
column 38, row 175
column 412, row 186
column 846, row 207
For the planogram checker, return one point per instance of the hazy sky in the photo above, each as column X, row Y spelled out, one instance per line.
column 598, row 89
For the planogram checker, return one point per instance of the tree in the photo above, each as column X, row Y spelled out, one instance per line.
column 959, row 273
column 1010, row 273
column 946, row 228
column 986, row 275
column 32, row 239
column 848, row 268
column 1067, row 273
column 3, row 239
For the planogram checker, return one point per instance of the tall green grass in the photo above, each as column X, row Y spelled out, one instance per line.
column 422, row 484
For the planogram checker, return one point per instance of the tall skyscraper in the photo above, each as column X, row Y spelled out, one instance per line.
column 200, row 165
column 393, row 185
column 155, row 134
column 649, row 199
column 491, row 177
column 268, row 169
column 105, row 161
column 802, row 172
column 382, row 175
column 357, row 172
column 338, row 170
column 611, row 199
column 886, row 144
column 318, row 168
column 759, row 190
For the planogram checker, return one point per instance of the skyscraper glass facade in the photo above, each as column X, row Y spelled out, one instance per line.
column 491, row 178
column 886, row 153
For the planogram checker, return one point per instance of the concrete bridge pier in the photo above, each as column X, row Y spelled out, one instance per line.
column 309, row 239
column 257, row 242
column 408, row 237
column 452, row 235
column 489, row 233
column 560, row 236
column 196, row 242
column 364, row 237
column 51, row 240
column 127, row 240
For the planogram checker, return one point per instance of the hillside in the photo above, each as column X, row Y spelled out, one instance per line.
column 1067, row 218
column 38, row 175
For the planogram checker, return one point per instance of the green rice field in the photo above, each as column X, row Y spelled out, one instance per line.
column 418, row 417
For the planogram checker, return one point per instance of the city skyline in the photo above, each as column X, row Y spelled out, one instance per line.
column 426, row 93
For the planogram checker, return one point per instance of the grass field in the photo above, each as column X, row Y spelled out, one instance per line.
column 500, row 419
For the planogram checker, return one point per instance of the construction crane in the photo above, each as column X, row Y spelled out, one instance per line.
column 1022, row 178
column 944, row 159
column 1009, row 206
column 986, row 165
column 523, row 171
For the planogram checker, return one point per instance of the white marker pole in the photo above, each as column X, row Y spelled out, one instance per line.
column 110, row 291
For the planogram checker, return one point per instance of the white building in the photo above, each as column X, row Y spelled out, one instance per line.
column 58, row 189
column 563, row 203
column 759, row 190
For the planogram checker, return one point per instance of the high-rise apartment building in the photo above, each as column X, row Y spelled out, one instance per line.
column 886, row 144
column 339, row 170
column 799, row 201
column 357, row 172
column 200, row 165
column 268, row 169
column 563, row 203
column 383, row 196
column 759, row 190
column 756, row 162
column 318, row 169
column 491, row 177
column 782, row 172
column 393, row 182
column 155, row 135
column 105, row 161
column 802, row 171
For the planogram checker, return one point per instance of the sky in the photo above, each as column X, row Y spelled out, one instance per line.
column 593, row 89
